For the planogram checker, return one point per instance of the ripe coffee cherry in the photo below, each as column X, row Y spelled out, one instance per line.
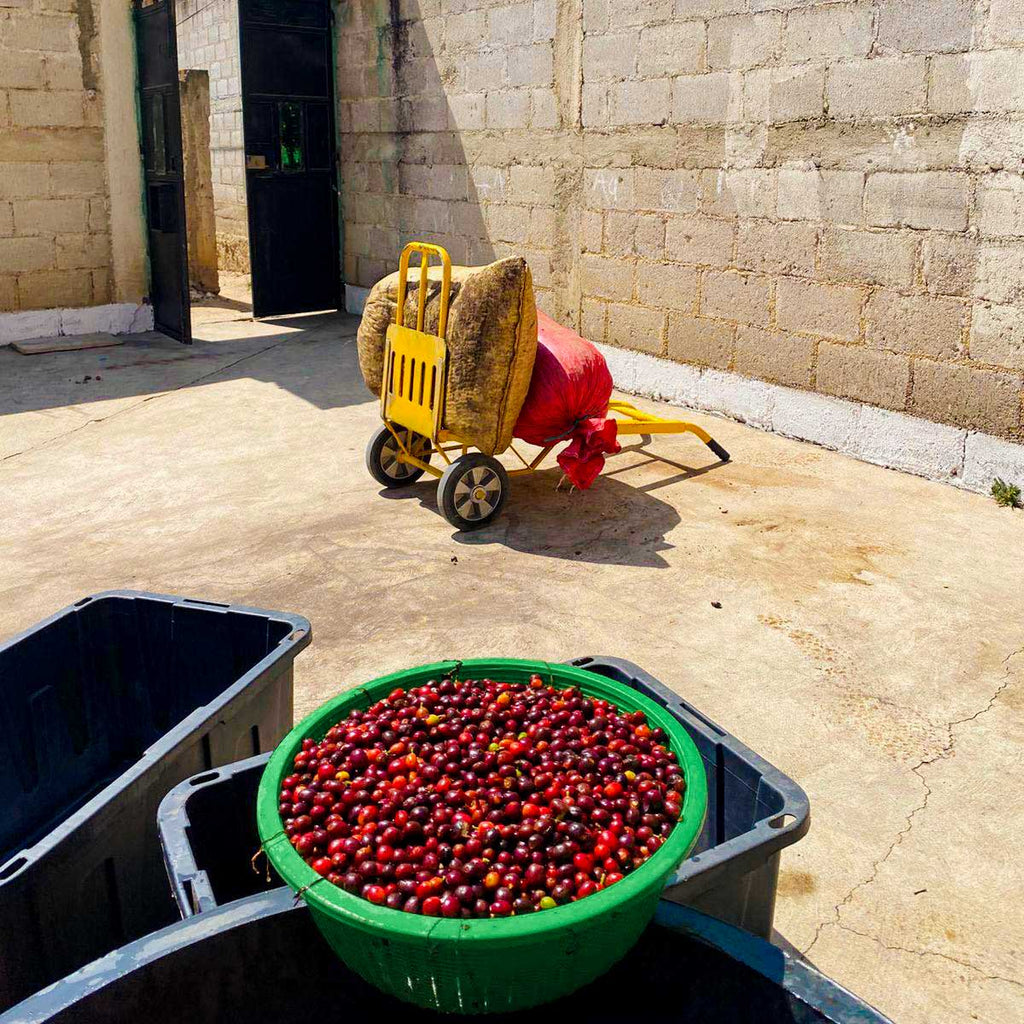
column 481, row 798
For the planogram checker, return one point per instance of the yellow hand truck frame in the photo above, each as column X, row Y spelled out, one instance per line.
column 473, row 486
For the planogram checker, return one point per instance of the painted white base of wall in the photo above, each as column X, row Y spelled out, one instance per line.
column 355, row 298
column 963, row 458
column 113, row 318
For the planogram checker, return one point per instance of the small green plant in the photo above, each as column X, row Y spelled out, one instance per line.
column 1007, row 495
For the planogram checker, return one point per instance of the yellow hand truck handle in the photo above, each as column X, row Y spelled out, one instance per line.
column 426, row 250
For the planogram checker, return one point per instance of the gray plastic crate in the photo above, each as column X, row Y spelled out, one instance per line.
column 103, row 708
column 261, row 960
column 208, row 824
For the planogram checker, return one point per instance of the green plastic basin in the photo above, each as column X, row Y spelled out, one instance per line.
column 500, row 964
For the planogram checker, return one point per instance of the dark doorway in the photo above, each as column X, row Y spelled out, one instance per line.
column 286, row 56
column 162, row 166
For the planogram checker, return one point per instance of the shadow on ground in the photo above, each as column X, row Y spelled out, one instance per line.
column 151, row 363
column 617, row 522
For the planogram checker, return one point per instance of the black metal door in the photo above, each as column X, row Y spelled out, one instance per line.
column 286, row 50
column 163, row 167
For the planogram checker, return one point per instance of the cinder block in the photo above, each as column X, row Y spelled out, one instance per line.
column 48, row 33
column 77, row 178
column 510, row 24
column 467, row 111
column 610, row 57
column 619, row 231
column 591, row 230
column 464, row 31
column 43, row 216
column 673, row 191
column 542, row 226
column 18, row 255
column 833, row 196
column 795, row 93
column 829, row 422
column 666, row 285
column 879, row 87
column 749, row 401
column 648, row 101
column 1000, row 200
column 636, row 327
column 20, row 70
column 831, row 311
column 609, row 188
column 986, row 458
column 745, row 192
column 607, row 278
column 543, row 109
column 916, row 324
column 649, row 236
column 987, row 81
column 20, row 180
column 941, row 27
column 666, row 381
column 739, row 298
column 849, row 371
column 907, row 443
column 490, row 183
column 531, row 184
column 997, row 335
column 531, row 65
column 771, row 247
column 948, row 263
column 621, row 365
column 673, row 49
column 921, row 199
column 6, row 220
column 593, row 315
column 714, row 98
column 774, row 356
column 999, row 273
column 1006, row 21
column 968, row 397
column 700, row 240
column 704, row 342
column 744, row 41
column 44, row 109
column 544, row 19
column 508, row 109
column 8, row 295
column 436, row 181
column 594, row 105
column 828, row 31
column 873, row 257
column 45, row 289
column 33, row 323
column 76, row 252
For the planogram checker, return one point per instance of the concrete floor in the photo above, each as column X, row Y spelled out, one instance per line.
column 868, row 643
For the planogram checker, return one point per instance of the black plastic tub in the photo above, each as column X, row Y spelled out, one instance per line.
column 103, row 708
column 208, row 824
column 754, row 813
column 261, row 959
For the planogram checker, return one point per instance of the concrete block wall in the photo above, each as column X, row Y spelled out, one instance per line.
column 208, row 40
column 824, row 196
column 55, row 248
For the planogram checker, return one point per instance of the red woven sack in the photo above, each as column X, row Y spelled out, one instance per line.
column 568, row 400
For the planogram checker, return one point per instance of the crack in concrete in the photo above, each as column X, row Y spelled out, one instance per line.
column 929, row 952
column 135, row 405
column 946, row 750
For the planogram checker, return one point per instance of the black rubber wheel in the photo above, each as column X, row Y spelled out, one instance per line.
column 473, row 491
column 382, row 457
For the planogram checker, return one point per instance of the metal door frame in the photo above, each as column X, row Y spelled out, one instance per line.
column 335, row 253
column 147, row 9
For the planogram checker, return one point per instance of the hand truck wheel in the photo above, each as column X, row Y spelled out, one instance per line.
column 382, row 457
column 472, row 491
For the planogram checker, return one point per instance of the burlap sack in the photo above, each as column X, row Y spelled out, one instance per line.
column 492, row 341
